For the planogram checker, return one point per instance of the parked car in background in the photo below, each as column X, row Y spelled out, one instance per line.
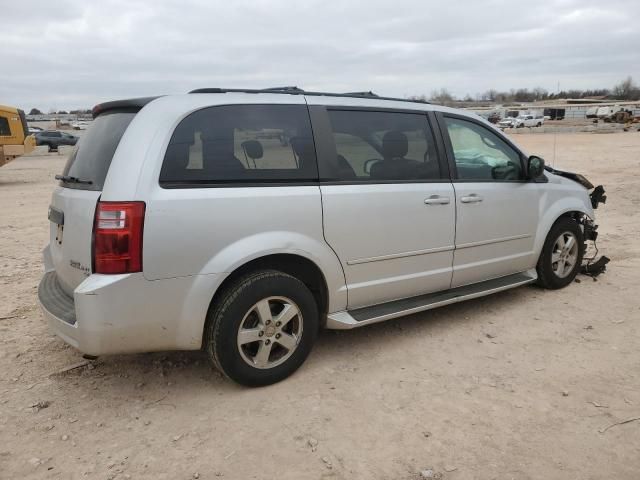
column 53, row 139
column 243, row 222
column 33, row 130
column 608, row 111
column 522, row 121
column 508, row 122
column 529, row 121
column 80, row 125
column 592, row 112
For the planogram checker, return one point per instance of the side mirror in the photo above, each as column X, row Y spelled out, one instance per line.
column 535, row 167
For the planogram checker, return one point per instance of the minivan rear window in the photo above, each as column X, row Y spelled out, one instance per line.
column 241, row 144
column 91, row 158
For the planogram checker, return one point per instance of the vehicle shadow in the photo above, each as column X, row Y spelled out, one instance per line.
column 425, row 323
column 126, row 375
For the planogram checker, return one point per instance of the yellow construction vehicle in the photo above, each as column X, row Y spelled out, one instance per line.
column 14, row 134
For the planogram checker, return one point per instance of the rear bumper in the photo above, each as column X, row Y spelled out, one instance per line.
column 55, row 300
column 110, row 314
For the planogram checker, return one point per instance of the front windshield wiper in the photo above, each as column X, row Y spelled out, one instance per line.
column 70, row 179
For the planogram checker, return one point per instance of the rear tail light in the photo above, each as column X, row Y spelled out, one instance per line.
column 117, row 237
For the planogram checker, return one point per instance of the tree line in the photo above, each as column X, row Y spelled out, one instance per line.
column 36, row 111
column 625, row 90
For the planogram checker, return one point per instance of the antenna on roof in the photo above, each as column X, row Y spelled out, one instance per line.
column 555, row 135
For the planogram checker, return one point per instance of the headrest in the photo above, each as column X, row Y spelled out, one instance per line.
column 253, row 149
column 394, row 144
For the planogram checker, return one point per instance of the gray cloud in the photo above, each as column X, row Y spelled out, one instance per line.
column 73, row 53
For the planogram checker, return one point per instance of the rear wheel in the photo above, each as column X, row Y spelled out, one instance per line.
column 262, row 328
column 561, row 255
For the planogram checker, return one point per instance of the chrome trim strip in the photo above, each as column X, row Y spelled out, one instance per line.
column 400, row 255
column 496, row 240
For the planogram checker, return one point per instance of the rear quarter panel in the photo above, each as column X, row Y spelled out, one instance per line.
column 213, row 231
column 202, row 231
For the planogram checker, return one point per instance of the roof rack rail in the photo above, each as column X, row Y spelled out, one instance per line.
column 299, row 91
column 291, row 89
column 363, row 94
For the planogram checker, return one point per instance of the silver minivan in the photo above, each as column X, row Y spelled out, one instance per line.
column 242, row 222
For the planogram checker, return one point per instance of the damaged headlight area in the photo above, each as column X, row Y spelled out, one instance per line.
column 576, row 177
column 597, row 195
column 591, row 265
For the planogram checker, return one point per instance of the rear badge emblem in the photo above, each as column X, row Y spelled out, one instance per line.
column 78, row 266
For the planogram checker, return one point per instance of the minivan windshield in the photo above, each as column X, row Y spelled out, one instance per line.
column 91, row 158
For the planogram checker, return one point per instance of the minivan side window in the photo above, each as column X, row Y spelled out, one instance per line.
column 5, row 131
column 480, row 154
column 381, row 147
column 242, row 144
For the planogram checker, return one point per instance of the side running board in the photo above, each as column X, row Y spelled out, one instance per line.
column 360, row 317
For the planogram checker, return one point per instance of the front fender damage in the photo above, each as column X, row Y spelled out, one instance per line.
column 593, row 266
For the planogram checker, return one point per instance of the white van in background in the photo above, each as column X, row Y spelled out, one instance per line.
column 608, row 111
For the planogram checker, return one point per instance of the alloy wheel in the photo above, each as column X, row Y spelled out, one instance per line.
column 270, row 332
column 564, row 254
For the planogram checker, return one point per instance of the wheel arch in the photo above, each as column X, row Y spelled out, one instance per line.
column 298, row 266
column 573, row 209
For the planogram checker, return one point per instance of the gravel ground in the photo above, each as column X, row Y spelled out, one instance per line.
column 519, row 385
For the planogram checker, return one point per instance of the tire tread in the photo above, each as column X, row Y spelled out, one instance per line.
column 546, row 278
column 228, row 296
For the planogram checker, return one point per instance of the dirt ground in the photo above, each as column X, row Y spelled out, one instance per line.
column 519, row 385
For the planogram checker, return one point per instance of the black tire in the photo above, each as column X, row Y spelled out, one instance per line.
column 235, row 304
column 547, row 277
column 539, row 124
column 52, row 148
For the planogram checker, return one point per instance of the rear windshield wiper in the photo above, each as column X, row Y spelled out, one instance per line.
column 70, row 179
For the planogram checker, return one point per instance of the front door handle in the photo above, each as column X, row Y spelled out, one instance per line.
column 473, row 198
column 436, row 200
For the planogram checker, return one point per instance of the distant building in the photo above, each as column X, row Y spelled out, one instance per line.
column 569, row 109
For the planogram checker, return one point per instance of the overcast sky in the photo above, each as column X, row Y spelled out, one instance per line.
column 74, row 53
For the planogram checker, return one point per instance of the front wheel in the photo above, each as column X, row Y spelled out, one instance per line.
column 561, row 255
column 262, row 328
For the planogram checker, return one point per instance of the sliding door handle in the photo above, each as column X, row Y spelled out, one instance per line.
column 473, row 198
column 436, row 200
